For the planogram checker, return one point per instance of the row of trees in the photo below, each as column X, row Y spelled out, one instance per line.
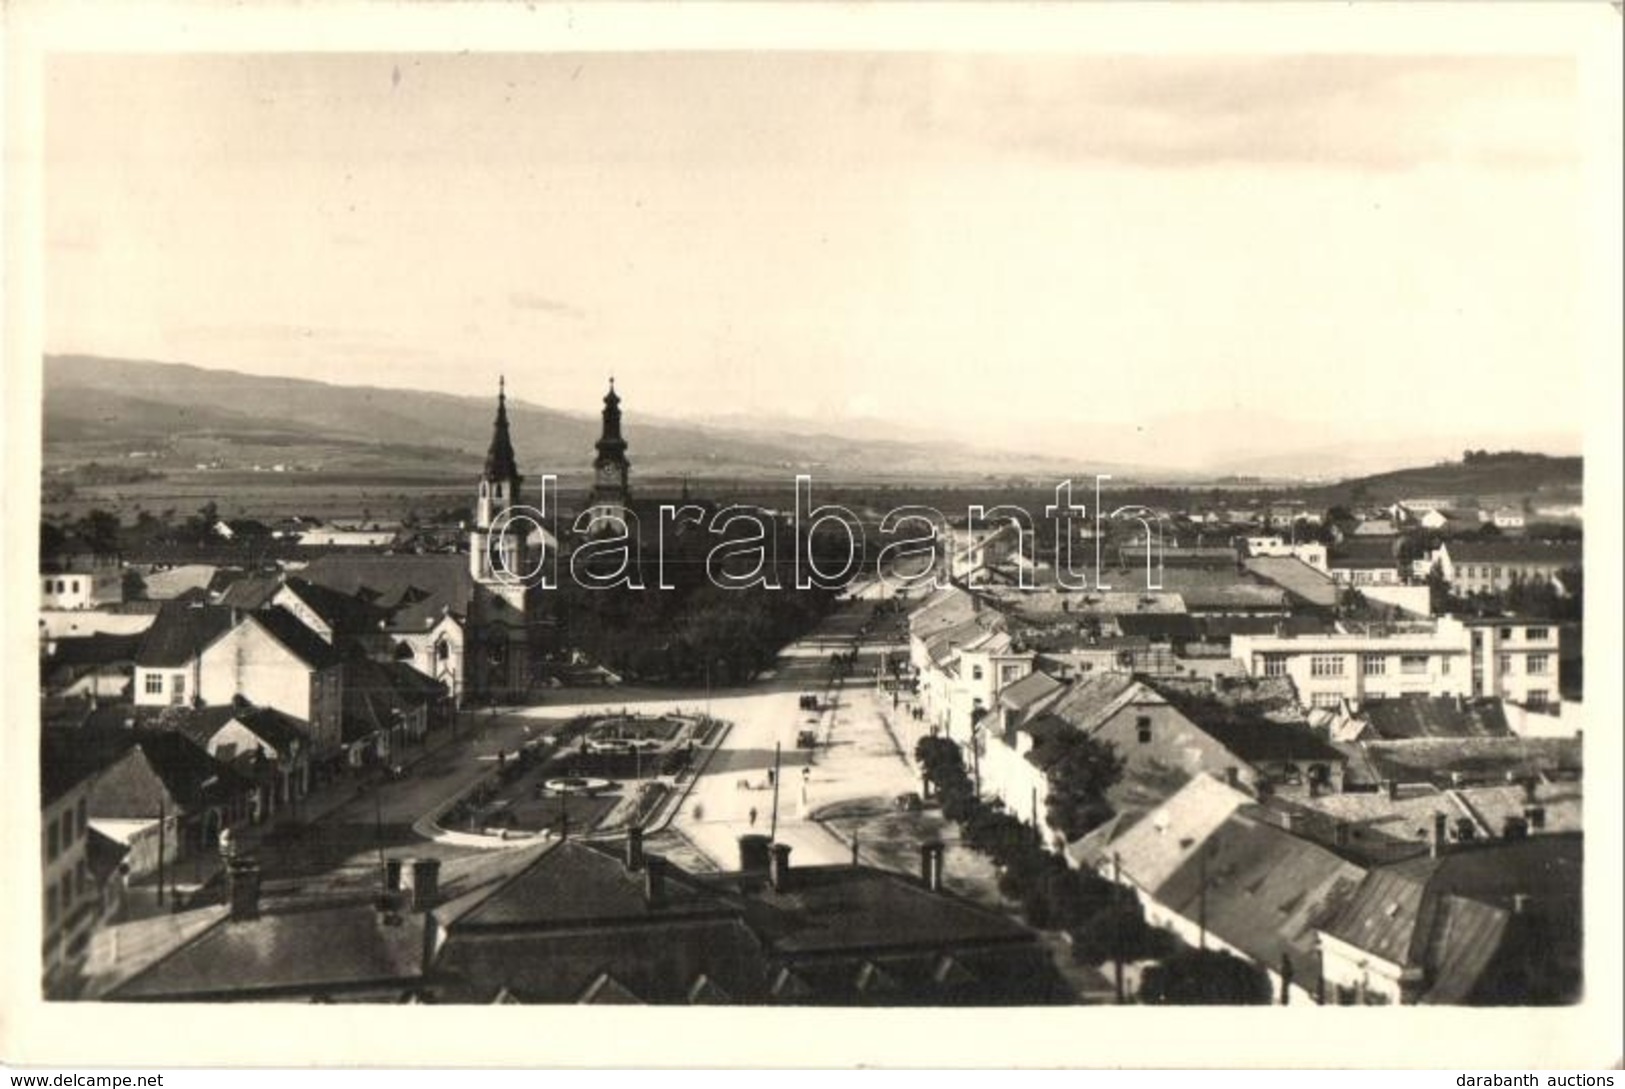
column 1102, row 920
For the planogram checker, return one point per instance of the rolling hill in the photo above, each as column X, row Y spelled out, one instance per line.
column 179, row 414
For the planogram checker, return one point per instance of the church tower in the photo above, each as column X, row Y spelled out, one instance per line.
column 498, row 490
column 611, row 496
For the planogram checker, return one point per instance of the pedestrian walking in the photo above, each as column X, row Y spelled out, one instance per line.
column 753, row 816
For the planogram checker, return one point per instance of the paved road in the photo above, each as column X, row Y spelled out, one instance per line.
column 856, row 756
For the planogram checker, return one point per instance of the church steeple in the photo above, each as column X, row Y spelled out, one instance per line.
column 611, row 491
column 500, row 463
column 611, row 446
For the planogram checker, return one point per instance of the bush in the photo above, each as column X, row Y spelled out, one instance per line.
column 1204, row 977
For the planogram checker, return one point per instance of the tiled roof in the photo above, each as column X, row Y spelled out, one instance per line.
column 297, row 952
column 1259, row 742
column 303, row 643
column 160, row 766
column 1162, row 841
column 1266, row 891
column 1499, row 550
column 99, row 648
column 172, row 583
column 1473, row 759
column 1179, row 627
column 1307, row 583
column 1031, row 690
column 374, row 692
column 180, row 632
column 1394, row 720
column 251, row 592
column 343, row 613
column 417, row 590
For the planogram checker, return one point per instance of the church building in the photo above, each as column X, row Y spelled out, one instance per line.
column 611, row 496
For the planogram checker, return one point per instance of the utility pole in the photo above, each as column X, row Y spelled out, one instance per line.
column 1201, row 898
column 773, row 831
column 1117, row 925
column 160, row 852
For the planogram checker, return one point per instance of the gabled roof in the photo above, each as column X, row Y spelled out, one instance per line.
column 300, row 641
column 343, row 613
column 1263, row 891
column 296, row 951
column 418, row 589
column 180, row 632
column 376, row 692
column 251, row 592
column 160, row 766
column 1030, row 691
column 99, row 648
column 1162, row 841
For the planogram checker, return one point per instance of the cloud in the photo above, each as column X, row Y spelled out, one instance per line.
column 1378, row 113
column 520, row 300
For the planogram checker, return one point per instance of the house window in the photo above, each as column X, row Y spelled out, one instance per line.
column 1537, row 663
column 1537, row 635
column 178, row 684
column 83, row 811
column 67, row 829
column 1011, row 673
column 1504, row 663
column 50, row 905
column 75, row 586
column 976, row 673
column 1413, row 663
column 1537, row 697
column 1326, row 699
column 155, row 684
column 1275, row 665
column 1142, row 729
column 1444, row 666
column 1326, row 665
column 81, row 877
column 53, row 842
column 1374, row 665
column 1506, row 633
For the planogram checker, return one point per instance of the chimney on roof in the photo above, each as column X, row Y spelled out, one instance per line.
column 634, row 848
column 1437, row 843
column 1289, row 820
column 425, row 883
column 931, row 866
column 779, row 867
column 243, row 889
column 1535, row 817
column 654, row 881
column 753, row 853
column 1232, row 777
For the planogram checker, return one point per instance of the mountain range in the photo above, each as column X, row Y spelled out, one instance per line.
column 104, row 405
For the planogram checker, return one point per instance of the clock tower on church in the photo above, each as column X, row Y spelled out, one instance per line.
column 611, row 496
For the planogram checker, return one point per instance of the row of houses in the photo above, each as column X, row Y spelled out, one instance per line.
column 575, row 922
column 1267, row 805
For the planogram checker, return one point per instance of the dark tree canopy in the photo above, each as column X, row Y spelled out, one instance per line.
column 1204, row 977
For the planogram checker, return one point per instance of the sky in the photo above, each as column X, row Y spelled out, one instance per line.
column 1006, row 248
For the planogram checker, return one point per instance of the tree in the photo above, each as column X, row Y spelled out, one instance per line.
column 99, row 528
column 1080, row 770
column 1204, row 977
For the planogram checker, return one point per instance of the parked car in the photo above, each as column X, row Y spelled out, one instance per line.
column 809, row 701
column 807, row 739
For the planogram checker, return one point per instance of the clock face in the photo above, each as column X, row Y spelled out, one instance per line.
column 609, row 475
